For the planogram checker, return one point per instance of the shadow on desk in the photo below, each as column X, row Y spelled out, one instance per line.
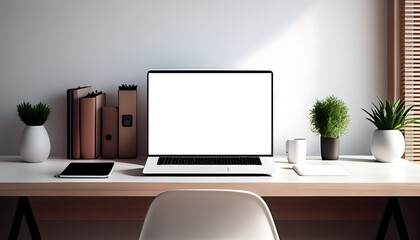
column 366, row 160
column 16, row 159
column 133, row 172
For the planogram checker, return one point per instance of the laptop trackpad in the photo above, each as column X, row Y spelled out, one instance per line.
column 195, row 169
column 211, row 169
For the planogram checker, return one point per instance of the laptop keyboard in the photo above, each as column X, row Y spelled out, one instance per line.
column 210, row 160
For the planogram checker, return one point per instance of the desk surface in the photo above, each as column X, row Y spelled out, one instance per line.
column 367, row 177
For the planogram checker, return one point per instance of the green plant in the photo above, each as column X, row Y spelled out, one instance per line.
column 33, row 115
column 390, row 117
column 329, row 117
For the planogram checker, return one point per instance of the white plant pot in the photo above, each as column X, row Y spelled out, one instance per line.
column 35, row 144
column 387, row 145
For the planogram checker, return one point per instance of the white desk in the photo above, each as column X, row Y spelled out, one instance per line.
column 367, row 177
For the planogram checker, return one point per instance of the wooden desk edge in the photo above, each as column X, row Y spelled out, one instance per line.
column 262, row 189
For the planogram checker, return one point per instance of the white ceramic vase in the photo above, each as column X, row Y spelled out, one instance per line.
column 387, row 145
column 35, row 144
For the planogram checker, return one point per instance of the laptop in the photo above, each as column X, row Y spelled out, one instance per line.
column 209, row 122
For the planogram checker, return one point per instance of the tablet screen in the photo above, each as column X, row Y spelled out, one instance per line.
column 88, row 170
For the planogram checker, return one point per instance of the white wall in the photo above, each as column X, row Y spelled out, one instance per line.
column 314, row 47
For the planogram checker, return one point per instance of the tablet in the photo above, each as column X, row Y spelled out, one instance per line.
column 87, row 170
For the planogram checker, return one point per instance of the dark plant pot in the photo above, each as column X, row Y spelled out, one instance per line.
column 330, row 148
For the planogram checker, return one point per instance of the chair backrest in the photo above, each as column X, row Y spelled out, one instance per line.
column 208, row 215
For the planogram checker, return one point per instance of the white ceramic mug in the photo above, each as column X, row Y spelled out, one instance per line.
column 296, row 150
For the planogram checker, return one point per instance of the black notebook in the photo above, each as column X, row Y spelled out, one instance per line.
column 87, row 170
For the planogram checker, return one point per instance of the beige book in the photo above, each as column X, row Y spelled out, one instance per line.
column 127, row 126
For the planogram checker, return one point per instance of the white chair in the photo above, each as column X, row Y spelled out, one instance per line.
column 208, row 215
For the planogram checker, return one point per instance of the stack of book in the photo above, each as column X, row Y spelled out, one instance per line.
column 95, row 130
column 84, row 122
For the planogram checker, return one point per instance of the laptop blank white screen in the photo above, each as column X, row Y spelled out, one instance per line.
column 210, row 113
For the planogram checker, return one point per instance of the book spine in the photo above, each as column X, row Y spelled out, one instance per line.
column 76, row 129
column 69, row 94
column 109, row 132
column 87, row 128
column 127, row 123
column 77, row 94
column 100, row 102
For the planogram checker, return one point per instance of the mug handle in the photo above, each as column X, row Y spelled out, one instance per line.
column 287, row 146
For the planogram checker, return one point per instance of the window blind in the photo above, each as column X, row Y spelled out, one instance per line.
column 410, row 72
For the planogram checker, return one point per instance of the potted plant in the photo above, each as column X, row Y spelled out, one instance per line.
column 329, row 118
column 388, row 142
column 35, row 142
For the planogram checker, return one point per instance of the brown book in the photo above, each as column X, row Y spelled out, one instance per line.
column 87, row 128
column 127, row 123
column 109, row 132
column 100, row 103
column 90, row 125
column 73, row 120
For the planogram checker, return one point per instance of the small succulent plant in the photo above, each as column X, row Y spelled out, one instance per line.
column 389, row 116
column 33, row 115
